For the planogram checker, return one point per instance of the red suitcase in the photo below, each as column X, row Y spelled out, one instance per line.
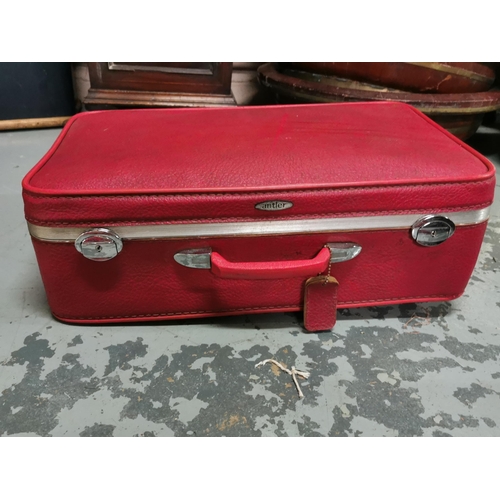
column 157, row 214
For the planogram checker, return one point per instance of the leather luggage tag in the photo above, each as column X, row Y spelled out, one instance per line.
column 320, row 303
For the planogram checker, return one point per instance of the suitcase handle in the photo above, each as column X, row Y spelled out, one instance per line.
column 270, row 270
column 205, row 258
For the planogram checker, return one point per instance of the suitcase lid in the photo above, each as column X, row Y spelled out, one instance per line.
column 253, row 163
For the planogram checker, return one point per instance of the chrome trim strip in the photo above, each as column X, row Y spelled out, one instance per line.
column 260, row 228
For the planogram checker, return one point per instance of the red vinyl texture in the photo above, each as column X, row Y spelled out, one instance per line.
column 136, row 167
column 206, row 165
column 144, row 282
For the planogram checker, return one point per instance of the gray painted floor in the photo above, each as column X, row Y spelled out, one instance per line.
column 426, row 370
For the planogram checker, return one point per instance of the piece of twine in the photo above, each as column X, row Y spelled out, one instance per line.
column 293, row 373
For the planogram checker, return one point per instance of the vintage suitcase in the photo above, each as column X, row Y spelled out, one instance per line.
column 159, row 214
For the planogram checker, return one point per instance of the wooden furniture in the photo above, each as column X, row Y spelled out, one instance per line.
column 460, row 114
column 422, row 77
column 140, row 84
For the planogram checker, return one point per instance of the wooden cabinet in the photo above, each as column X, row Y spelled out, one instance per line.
column 140, row 84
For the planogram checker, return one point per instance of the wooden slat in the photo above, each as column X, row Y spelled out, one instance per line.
column 56, row 121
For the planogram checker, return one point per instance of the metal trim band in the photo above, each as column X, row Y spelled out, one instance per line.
column 260, row 228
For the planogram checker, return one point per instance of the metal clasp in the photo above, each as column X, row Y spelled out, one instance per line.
column 432, row 230
column 99, row 244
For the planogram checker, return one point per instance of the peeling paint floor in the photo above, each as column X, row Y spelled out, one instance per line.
column 412, row 370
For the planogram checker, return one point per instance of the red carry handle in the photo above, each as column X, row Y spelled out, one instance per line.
column 270, row 270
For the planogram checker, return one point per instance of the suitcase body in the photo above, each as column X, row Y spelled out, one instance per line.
column 159, row 214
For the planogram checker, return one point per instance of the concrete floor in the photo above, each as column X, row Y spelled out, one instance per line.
column 383, row 372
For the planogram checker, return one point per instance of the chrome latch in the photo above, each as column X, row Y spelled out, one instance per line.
column 99, row 244
column 432, row 230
